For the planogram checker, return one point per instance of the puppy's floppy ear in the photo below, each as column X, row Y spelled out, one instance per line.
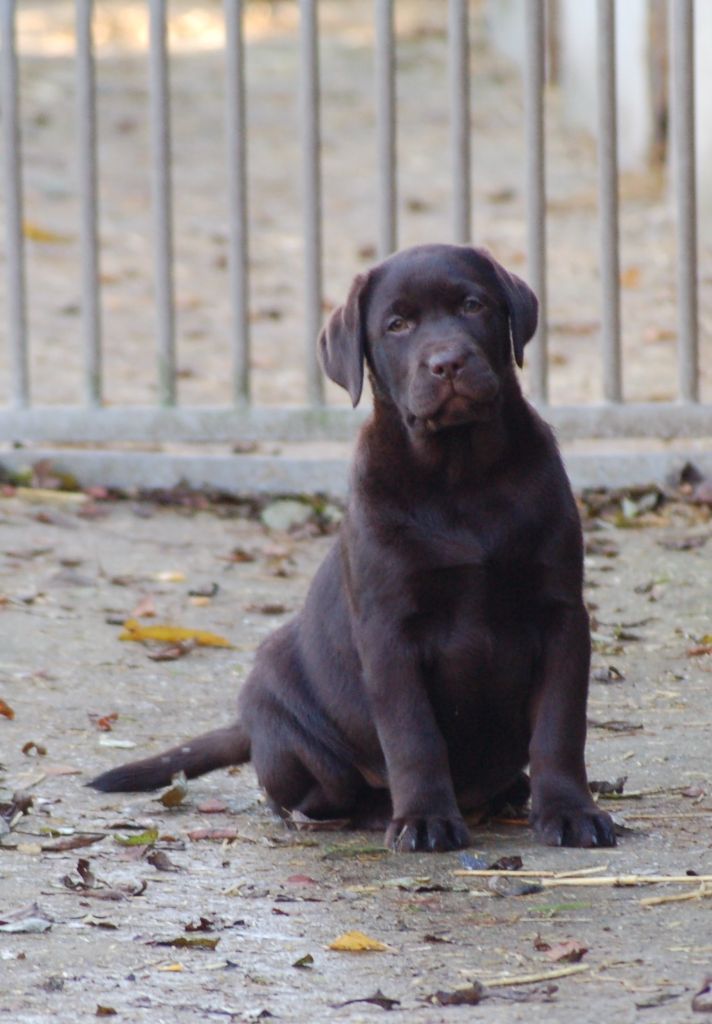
column 523, row 307
column 341, row 343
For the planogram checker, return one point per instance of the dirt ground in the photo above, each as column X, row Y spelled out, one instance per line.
column 45, row 33
column 71, row 572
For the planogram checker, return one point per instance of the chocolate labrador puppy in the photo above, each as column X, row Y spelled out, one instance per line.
column 444, row 643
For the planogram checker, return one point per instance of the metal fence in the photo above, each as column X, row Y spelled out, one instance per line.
column 102, row 429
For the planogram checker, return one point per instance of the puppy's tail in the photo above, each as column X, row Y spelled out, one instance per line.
column 217, row 749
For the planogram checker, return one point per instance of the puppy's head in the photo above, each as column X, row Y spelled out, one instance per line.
column 438, row 326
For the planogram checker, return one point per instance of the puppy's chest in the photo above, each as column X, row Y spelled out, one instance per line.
column 476, row 594
column 489, row 593
column 490, row 556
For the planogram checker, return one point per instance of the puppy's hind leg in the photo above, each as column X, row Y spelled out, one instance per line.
column 298, row 771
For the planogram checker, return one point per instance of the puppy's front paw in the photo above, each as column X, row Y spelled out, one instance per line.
column 429, row 833
column 567, row 824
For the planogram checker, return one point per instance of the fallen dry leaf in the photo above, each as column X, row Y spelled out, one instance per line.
column 174, row 651
column 304, row 961
column 71, row 843
column 5, row 709
column 609, row 674
column 177, row 793
column 693, row 792
column 31, row 919
column 303, row 823
column 570, row 951
column 658, row 999
column 36, row 233
column 208, row 590
column 133, row 630
column 99, row 922
column 240, row 555
column 357, row 942
column 688, row 543
column 87, row 879
column 268, row 608
column 145, row 838
column 630, row 277
column 513, row 863
column 702, row 1000
column 469, row 995
column 213, row 806
column 653, row 334
column 183, row 942
column 103, row 722
column 607, row 788
column 219, row 834
column 11, row 811
column 146, row 608
column 204, row 924
column 377, row 999
column 161, row 861
column 508, row 886
column 32, row 749
column 43, row 496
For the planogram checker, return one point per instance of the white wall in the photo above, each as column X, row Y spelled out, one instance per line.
column 578, row 74
column 505, row 23
column 578, row 61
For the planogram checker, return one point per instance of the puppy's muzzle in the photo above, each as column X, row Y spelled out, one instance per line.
column 464, row 368
column 446, row 365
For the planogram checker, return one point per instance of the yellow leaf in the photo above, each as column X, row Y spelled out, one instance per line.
column 175, row 796
column 44, row 496
column 133, row 630
column 146, row 838
column 174, row 968
column 38, row 234
column 357, row 942
column 169, row 576
column 630, row 277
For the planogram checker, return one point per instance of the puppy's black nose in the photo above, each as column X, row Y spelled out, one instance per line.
column 446, row 365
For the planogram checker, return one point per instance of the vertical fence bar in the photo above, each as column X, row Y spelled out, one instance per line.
column 88, row 205
column 534, row 66
column 385, row 67
column 162, row 202
column 12, row 173
column 608, row 202
column 459, row 66
column 682, row 107
column 311, row 184
column 236, row 135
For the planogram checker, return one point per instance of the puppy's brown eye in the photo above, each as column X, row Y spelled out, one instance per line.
column 396, row 325
column 472, row 305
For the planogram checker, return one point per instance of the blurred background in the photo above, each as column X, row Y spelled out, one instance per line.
column 196, row 35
